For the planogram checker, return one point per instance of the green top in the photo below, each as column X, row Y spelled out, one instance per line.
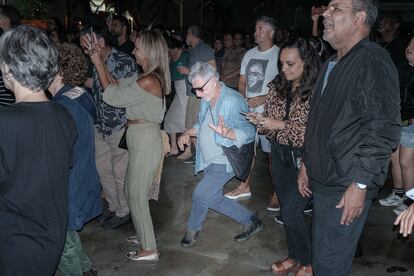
column 181, row 61
column 138, row 103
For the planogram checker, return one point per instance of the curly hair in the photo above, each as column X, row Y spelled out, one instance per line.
column 309, row 56
column 72, row 64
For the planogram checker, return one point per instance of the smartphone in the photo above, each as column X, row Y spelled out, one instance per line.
column 410, row 194
column 92, row 39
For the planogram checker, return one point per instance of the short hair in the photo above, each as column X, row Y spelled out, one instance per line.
column 196, row 31
column 203, row 70
column 268, row 20
column 30, row 55
column 153, row 45
column 72, row 64
column 123, row 21
column 100, row 32
column 370, row 7
column 12, row 14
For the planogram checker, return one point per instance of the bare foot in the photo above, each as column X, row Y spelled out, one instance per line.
column 143, row 252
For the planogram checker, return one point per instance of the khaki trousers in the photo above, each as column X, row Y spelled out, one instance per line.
column 111, row 163
column 145, row 150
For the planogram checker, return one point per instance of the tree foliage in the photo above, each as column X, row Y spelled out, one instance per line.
column 35, row 8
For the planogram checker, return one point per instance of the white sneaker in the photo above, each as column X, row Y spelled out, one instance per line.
column 391, row 200
column 400, row 209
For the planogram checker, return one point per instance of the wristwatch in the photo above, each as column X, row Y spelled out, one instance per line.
column 361, row 186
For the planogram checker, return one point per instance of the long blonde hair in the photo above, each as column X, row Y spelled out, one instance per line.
column 153, row 44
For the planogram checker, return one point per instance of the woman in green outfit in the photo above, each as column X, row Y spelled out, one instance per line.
column 143, row 99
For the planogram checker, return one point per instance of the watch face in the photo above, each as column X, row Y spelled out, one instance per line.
column 361, row 186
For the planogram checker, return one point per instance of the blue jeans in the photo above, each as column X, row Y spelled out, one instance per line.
column 209, row 195
column 292, row 203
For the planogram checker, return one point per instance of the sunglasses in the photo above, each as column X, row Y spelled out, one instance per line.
column 200, row 89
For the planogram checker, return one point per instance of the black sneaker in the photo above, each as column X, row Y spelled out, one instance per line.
column 116, row 222
column 279, row 219
column 309, row 207
column 105, row 216
column 249, row 230
column 190, row 238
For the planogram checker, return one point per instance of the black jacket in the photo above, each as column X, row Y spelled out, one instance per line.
column 355, row 125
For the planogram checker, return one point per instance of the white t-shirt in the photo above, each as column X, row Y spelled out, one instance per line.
column 260, row 68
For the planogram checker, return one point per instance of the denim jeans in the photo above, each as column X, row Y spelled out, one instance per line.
column 292, row 203
column 334, row 244
column 208, row 194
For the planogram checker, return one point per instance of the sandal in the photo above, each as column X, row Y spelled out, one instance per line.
column 284, row 267
column 133, row 240
column 150, row 258
column 304, row 271
column 238, row 194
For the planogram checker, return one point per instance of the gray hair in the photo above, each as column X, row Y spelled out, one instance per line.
column 196, row 31
column 203, row 70
column 268, row 20
column 370, row 7
column 31, row 56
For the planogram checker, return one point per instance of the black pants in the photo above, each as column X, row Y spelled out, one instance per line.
column 334, row 244
column 292, row 203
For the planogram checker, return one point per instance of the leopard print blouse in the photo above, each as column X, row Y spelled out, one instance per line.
column 295, row 125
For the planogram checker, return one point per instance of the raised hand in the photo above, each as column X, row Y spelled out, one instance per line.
column 223, row 130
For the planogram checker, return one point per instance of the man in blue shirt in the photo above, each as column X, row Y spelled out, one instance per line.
column 220, row 123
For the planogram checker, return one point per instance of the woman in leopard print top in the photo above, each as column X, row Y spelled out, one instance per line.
column 284, row 122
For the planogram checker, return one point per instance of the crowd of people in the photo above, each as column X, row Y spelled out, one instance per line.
column 85, row 125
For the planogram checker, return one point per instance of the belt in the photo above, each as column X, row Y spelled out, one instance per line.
column 135, row 122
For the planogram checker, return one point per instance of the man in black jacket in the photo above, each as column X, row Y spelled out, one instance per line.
column 354, row 125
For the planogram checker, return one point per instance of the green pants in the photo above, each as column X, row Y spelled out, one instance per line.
column 73, row 261
column 145, row 149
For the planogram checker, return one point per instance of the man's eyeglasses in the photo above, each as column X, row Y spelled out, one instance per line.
column 334, row 8
column 200, row 89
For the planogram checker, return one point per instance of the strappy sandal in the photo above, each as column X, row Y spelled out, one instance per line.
column 284, row 267
column 133, row 240
column 150, row 258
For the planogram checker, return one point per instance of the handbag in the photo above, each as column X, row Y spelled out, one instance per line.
column 240, row 159
column 123, row 142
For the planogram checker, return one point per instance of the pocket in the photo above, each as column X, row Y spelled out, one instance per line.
column 334, row 160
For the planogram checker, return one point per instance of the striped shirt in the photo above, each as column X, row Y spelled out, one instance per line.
column 6, row 96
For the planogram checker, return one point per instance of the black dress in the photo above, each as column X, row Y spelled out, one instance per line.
column 36, row 141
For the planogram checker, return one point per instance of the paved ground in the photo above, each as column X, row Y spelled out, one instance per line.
column 217, row 253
